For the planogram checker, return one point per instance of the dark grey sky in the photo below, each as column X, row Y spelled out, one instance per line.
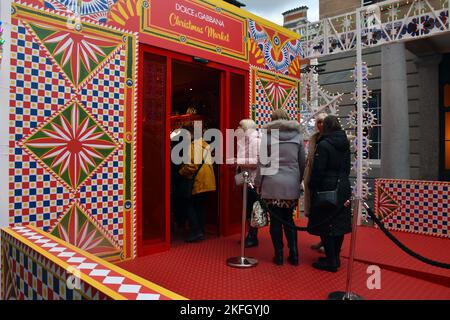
column 272, row 9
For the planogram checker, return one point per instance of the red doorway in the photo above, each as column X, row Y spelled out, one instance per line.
column 159, row 77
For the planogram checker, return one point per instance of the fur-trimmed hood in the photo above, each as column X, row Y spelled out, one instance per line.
column 283, row 125
column 289, row 130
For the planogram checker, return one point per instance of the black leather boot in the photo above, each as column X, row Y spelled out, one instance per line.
column 252, row 238
column 291, row 236
column 330, row 263
column 276, row 233
column 278, row 258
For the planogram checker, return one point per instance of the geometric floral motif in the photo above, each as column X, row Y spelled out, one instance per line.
column 72, row 145
column 77, row 53
column 386, row 205
column 270, row 91
column 76, row 228
column 277, row 92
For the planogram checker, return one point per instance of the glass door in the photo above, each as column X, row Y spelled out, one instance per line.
column 237, row 102
column 153, row 205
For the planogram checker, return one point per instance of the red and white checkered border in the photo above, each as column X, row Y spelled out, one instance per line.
column 105, row 277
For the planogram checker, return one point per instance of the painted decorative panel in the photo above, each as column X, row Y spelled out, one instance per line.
column 273, row 51
column 414, row 206
column 38, row 266
column 270, row 91
column 72, row 130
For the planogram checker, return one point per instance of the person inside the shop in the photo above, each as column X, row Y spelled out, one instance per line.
column 176, row 196
column 198, row 181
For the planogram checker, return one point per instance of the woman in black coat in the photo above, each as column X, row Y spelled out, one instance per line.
column 331, row 169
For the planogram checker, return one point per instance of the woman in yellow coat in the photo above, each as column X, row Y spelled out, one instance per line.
column 201, row 170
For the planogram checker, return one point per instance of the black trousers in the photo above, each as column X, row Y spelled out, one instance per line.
column 196, row 213
column 332, row 246
column 276, row 229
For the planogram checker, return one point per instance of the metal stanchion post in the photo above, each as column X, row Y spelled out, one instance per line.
column 357, row 204
column 242, row 261
column 348, row 294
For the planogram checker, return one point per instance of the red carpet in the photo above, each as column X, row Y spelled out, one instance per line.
column 198, row 271
column 373, row 247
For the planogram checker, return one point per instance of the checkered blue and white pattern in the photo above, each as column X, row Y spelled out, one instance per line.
column 102, row 196
column 424, row 206
column 37, row 89
column 35, row 196
column 263, row 108
column 291, row 105
column 104, row 95
column 115, row 280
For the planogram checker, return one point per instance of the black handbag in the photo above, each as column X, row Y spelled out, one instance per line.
column 328, row 200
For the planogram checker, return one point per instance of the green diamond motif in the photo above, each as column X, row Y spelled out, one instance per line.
column 72, row 145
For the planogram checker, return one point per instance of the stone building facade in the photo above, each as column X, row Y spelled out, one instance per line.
column 410, row 85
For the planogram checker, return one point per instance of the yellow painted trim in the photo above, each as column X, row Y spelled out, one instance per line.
column 261, row 20
column 85, row 277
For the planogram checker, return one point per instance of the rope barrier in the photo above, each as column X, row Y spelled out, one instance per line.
column 402, row 246
column 379, row 223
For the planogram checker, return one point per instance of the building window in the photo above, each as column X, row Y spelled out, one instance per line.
column 375, row 131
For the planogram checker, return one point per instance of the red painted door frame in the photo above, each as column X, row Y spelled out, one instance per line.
column 224, row 172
